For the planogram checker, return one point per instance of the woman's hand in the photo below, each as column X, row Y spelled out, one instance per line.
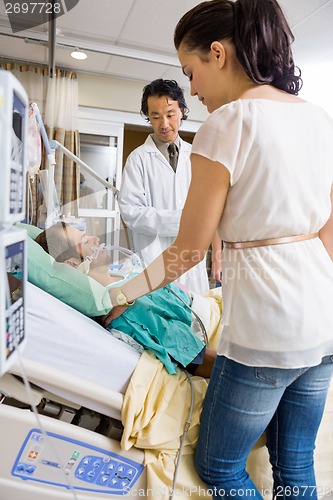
column 113, row 314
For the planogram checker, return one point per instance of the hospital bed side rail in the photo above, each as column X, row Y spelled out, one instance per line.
column 80, row 391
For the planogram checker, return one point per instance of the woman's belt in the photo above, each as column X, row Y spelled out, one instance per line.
column 270, row 241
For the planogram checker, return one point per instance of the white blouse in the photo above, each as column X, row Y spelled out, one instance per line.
column 277, row 299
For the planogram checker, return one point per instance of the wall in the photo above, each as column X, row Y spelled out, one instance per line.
column 110, row 93
column 100, row 91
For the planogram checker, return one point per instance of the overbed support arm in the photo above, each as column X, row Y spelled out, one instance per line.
column 72, row 156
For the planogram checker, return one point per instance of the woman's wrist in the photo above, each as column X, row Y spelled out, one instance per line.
column 118, row 298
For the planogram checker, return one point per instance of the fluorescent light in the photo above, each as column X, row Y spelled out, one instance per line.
column 78, row 54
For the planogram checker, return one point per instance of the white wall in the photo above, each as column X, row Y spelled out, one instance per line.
column 317, row 86
column 124, row 95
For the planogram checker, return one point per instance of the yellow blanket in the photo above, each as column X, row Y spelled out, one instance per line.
column 155, row 410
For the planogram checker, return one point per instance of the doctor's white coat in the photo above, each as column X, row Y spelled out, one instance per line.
column 151, row 200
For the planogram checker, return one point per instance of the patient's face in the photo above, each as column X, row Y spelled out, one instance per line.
column 83, row 243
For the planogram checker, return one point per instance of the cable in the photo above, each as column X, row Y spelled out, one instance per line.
column 40, row 427
column 28, row 389
column 202, row 326
column 186, row 428
column 189, row 418
column 30, row 203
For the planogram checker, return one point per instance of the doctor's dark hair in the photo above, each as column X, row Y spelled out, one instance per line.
column 160, row 88
column 257, row 28
column 55, row 242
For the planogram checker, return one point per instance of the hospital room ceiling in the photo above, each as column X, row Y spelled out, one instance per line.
column 133, row 39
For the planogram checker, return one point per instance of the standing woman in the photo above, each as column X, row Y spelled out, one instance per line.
column 262, row 174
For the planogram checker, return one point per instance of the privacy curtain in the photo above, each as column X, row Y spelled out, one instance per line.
column 61, row 123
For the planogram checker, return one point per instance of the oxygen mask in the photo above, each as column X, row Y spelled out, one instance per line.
column 84, row 267
column 123, row 263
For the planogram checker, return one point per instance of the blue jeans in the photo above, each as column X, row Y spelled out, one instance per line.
column 241, row 403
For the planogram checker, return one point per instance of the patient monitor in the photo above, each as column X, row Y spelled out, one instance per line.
column 12, row 288
column 13, row 133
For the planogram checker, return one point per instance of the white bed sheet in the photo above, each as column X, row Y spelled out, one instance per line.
column 62, row 338
column 74, row 358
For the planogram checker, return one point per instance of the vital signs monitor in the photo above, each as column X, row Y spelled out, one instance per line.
column 14, row 107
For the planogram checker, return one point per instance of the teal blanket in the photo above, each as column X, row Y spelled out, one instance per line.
column 162, row 323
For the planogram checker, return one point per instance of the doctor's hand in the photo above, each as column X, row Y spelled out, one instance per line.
column 216, row 267
column 115, row 312
column 216, row 272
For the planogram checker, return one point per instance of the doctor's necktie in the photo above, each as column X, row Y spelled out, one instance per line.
column 173, row 155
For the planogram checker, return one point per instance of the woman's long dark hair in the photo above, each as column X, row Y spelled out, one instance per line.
column 257, row 28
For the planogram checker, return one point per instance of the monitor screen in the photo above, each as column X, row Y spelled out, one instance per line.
column 14, row 258
column 17, row 156
column 12, row 295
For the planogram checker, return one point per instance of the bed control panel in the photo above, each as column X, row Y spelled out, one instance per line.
column 54, row 459
column 111, row 472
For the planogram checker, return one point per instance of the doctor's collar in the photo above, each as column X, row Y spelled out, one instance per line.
column 160, row 144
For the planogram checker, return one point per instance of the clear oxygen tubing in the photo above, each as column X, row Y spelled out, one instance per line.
column 126, row 267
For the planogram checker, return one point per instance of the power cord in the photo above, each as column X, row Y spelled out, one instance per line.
column 202, row 326
column 186, row 428
column 189, row 418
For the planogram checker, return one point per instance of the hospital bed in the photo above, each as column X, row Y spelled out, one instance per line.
column 80, row 376
column 107, row 420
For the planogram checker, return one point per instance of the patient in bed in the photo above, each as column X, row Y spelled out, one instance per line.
column 159, row 321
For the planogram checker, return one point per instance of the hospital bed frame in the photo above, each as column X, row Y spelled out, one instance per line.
column 48, row 402
column 21, row 476
column 19, row 425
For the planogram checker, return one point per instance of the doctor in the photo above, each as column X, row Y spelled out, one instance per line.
column 156, row 179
